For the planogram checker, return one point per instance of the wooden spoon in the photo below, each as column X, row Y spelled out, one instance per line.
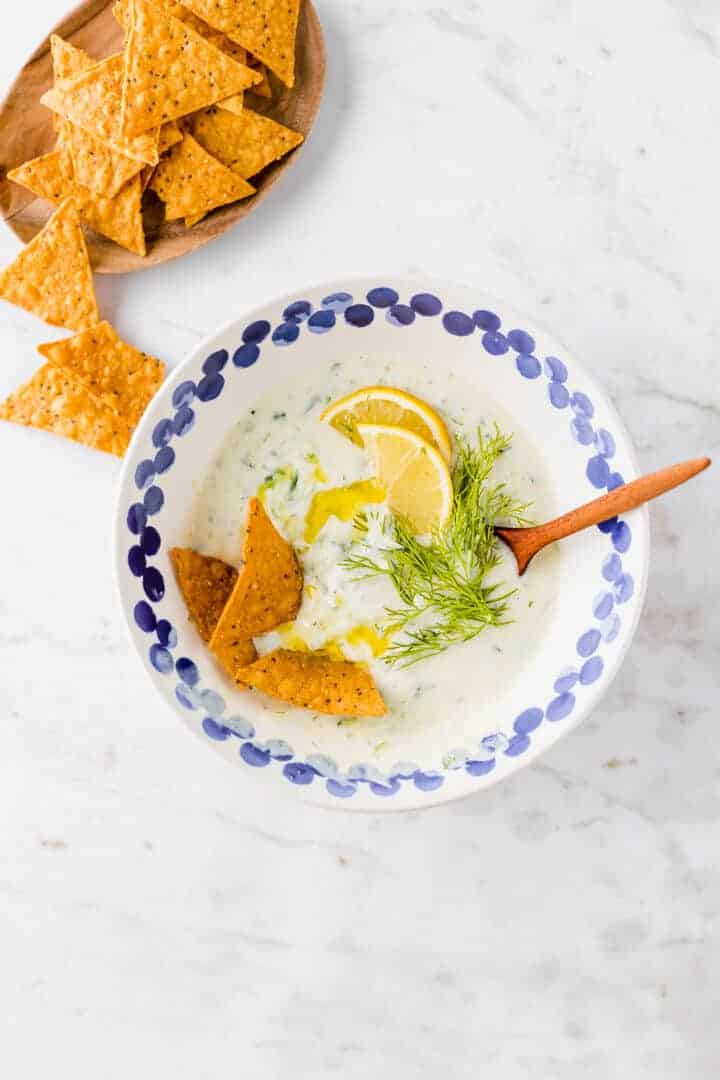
column 26, row 131
column 524, row 543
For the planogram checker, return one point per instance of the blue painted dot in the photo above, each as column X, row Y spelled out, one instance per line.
column 256, row 332
column 382, row 297
column 588, row 642
column 215, row 362
column 457, row 323
column 321, row 321
column 136, row 561
column 185, row 696
column 615, row 480
column 612, row 567
column 609, row 525
column 597, row 471
column 162, row 433
column 153, row 584
column 167, row 634
column 285, row 333
column 480, row 768
column 188, row 671
column 565, row 682
column 338, row 301
column 486, row 320
column 603, row 605
column 298, row 773
column 581, row 431
column 555, row 369
column 426, row 304
column 528, row 366
column 518, row 745
column 144, row 617
column 150, row 540
column 611, row 628
column 560, row 707
column 212, row 702
column 527, row 721
column 183, row 394
column 591, row 670
column 582, row 404
column 183, row 421
column 161, row 659
column 144, row 474
column 340, row 789
column 246, row 355
column 391, row 787
column 136, row 518
column 624, row 588
column 621, row 537
column 215, row 731
column 495, row 343
column 428, row 781
column 164, row 459
column 604, row 443
column 210, row 387
column 558, row 395
column 521, row 342
column 153, row 500
column 359, row 315
column 298, row 311
column 400, row 315
column 254, row 755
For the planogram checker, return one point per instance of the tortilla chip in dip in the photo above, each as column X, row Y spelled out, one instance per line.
column 313, row 681
column 206, row 584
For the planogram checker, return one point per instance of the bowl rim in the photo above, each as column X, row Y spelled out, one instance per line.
column 408, row 283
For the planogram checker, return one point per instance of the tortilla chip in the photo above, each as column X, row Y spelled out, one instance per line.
column 313, row 681
column 67, row 60
column 206, row 584
column 245, row 143
column 263, row 88
column 268, row 591
column 55, row 400
column 121, row 11
column 234, row 104
column 93, row 101
column 170, row 135
column 170, row 70
column 265, row 27
column 119, row 218
column 52, row 276
column 120, row 377
column 191, row 183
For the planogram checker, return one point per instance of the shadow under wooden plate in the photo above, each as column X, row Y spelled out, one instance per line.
column 26, row 131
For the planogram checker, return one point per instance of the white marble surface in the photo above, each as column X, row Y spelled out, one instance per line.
column 156, row 918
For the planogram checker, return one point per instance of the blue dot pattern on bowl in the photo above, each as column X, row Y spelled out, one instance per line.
column 616, row 584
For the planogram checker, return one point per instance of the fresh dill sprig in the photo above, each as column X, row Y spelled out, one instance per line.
column 441, row 582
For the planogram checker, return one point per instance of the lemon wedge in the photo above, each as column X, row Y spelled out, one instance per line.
column 413, row 472
column 387, row 405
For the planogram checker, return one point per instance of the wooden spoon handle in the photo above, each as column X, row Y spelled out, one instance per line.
column 624, row 498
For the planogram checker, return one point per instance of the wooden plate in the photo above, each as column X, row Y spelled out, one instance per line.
column 26, row 131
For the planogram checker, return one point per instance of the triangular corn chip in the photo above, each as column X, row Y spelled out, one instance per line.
column 117, row 375
column 313, row 681
column 191, row 183
column 93, row 101
column 265, row 27
column 206, row 584
column 54, row 400
column 245, row 142
column 170, row 70
column 263, row 88
column 267, row 592
column 119, row 218
column 52, row 276
column 121, row 11
column 170, row 135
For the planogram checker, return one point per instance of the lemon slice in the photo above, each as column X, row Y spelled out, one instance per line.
column 387, row 405
column 414, row 474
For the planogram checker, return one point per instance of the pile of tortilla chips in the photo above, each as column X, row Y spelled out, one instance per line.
column 167, row 114
column 230, row 609
column 93, row 387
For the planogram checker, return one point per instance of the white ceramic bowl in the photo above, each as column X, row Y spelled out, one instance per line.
column 549, row 395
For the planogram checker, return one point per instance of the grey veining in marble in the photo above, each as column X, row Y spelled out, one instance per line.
column 158, row 918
